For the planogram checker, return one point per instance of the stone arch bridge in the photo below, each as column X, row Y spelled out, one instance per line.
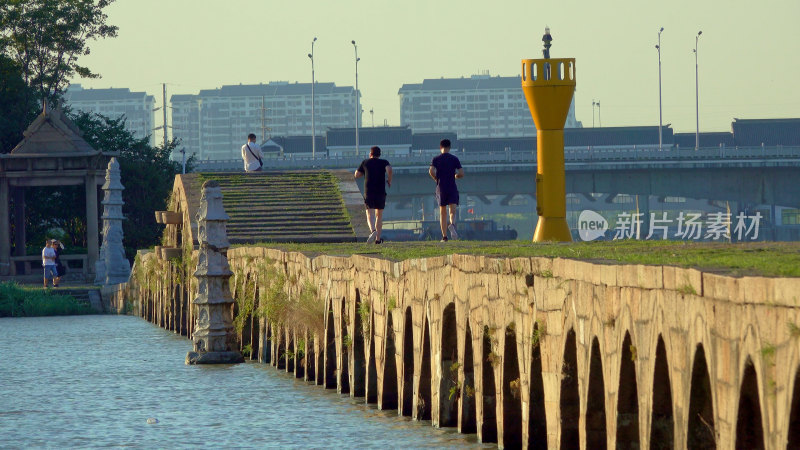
column 538, row 352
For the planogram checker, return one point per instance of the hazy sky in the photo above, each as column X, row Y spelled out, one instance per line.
column 749, row 52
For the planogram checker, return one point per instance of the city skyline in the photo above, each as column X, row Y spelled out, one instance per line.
column 616, row 60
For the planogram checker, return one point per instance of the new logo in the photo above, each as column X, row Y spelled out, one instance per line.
column 591, row 225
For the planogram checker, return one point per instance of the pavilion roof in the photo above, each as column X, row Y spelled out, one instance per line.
column 53, row 133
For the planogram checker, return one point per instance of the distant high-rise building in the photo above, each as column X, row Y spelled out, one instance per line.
column 215, row 123
column 475, row 107
column 137, row 107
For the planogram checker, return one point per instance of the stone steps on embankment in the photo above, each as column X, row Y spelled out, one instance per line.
column 282, row 206
column 89, row 296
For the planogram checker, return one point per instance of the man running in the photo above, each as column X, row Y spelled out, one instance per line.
column 444, row 170
column 377, row 174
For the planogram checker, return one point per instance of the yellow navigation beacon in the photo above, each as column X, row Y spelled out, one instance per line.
column 549, row 84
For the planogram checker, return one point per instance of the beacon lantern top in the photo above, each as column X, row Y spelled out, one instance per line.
column 548, row 71
column 548, row 84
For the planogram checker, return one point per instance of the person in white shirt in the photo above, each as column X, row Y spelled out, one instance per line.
column 49, row 263
column 251, row 154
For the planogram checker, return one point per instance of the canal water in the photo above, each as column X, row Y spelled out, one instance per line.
column 94, row 381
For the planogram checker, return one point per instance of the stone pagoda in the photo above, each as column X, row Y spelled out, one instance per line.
column 214, row 338
column 112, row 266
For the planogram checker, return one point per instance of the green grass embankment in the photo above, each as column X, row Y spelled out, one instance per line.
column 758, row 258
column 19, row 301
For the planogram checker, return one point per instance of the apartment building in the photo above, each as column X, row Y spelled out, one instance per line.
column 214, row 123
column 480, row 106
column 137, row 107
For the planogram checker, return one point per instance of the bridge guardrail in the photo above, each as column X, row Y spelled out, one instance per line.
column 589, row 154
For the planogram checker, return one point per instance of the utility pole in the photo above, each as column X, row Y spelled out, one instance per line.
column 266, row 132
column 164, row 107
column 358, row 105
column 183, row 160
column 263, row 124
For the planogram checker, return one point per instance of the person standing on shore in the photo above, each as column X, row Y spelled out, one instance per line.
column 251, row 154
column 58, row 247
column 377, row 175
column 49, row 263
column 444, row 170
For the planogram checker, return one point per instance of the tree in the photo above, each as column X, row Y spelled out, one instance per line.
column 46, row 38
column 147, row 174
column 17, row 108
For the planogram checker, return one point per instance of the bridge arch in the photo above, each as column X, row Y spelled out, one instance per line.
column 596, row 437
column 662, row 422
column 537, row 419
column 512, row 391
column 468, row 418
column 291, row 351
column 389, row 391
column 280, row 360
column 449, row 390
column 330, row 350
column 793, row 439
column 488, row 388
column 358, row 347
column 408, row 364
column 628, row 397
column 345, row 346
column 424, row 406
column 570, row 400
column 701, row 431
column 749, row 422
column 372, row 368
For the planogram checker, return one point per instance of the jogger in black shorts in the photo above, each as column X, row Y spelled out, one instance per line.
column 444, row 170
column 378, row 174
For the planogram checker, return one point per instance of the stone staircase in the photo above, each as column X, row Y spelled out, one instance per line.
column 89, row 295
column 299, row 206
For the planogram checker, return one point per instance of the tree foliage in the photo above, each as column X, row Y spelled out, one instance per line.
column 17, row 108
column 41, row 42
column 147, row 174
column 47, row 37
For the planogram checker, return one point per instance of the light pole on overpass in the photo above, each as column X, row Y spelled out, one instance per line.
column 358, row 107
column 313, row 129
column 660, row 117
column 696, row 93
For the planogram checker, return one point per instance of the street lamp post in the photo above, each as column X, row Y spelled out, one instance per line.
column 313, row 118
column 660, row 117
column 696, row 93
column 355, row 47
column 593, row 105
column 599, row 119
